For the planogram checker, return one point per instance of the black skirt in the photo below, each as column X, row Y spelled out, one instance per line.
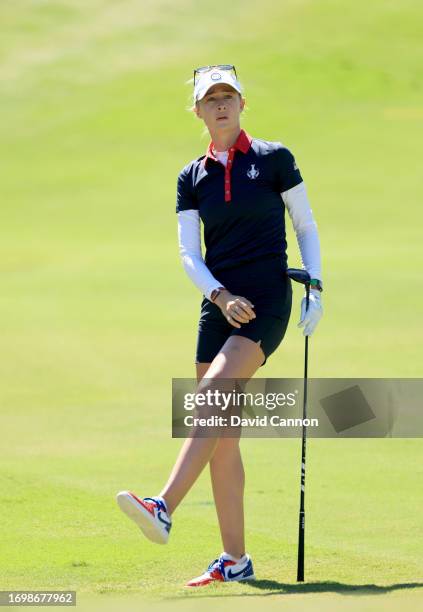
column 264, row 282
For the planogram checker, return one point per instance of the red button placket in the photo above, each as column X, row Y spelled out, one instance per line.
column 228, row 169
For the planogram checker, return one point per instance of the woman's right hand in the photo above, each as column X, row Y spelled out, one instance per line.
column 235, row 308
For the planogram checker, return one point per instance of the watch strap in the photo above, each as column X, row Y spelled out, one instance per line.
column 215, row 293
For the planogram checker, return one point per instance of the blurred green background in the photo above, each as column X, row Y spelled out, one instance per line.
column 97, row 314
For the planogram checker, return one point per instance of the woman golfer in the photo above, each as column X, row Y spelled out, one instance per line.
column 240, row 189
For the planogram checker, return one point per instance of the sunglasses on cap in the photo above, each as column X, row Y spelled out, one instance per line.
column 199, row 71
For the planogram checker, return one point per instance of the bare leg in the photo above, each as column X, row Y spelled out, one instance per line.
column 239, row 358
column 193, row 457
column 228, row 478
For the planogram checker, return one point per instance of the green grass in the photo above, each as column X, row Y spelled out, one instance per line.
column 97, row 314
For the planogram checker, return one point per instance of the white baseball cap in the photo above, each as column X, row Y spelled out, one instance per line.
column 205, row 80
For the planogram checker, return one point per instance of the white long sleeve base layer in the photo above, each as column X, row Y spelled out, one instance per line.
column 189, row 235
column 305, row 227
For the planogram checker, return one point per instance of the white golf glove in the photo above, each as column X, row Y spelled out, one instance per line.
column 311, row 317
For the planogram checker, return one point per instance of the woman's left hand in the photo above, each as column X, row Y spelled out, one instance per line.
column 311, row 316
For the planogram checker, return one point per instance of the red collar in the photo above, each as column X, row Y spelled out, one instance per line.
column 242, row 143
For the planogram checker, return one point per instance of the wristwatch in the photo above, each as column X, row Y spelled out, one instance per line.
column 316, row 284
column 216, row 292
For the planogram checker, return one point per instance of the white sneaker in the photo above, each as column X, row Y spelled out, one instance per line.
column 149, row 513
column 225, row 569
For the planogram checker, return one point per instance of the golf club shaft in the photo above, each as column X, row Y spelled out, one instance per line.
column 301, row 526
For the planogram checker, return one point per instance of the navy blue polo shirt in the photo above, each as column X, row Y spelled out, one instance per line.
column 241, row 205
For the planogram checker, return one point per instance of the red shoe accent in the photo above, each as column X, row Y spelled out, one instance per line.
column 203, row 582
column 214, row 576
column 147, row 505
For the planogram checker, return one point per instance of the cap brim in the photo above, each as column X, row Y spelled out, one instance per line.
column 207, row 83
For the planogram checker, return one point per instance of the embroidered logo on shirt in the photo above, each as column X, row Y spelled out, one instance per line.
column 253, row 172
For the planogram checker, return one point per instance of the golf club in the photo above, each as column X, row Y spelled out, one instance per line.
column 303, row 277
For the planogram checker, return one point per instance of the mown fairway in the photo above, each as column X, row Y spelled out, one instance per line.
column 97, row 315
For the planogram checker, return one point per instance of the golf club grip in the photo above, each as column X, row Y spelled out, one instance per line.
column 300, row 565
